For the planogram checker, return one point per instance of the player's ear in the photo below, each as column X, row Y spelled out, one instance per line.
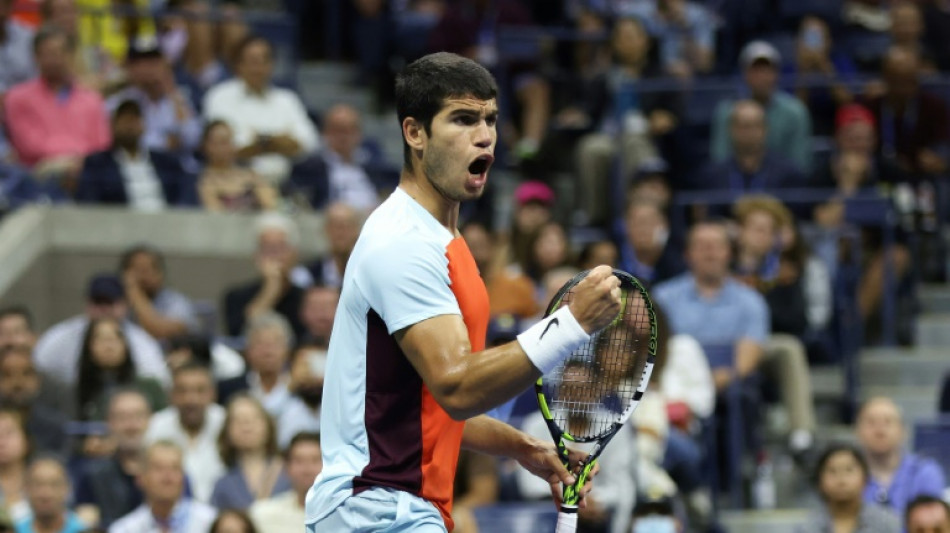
column 414, row 133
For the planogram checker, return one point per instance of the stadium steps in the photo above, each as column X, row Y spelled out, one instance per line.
column 323, row 84
column 778, row 521
column 934, row 298
column 933, row 329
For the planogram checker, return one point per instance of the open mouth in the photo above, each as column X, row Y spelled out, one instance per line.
column 480, row 165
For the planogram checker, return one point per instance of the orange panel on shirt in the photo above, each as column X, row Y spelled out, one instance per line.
column 442, row 436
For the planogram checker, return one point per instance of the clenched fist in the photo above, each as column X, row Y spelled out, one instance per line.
column 596, row 299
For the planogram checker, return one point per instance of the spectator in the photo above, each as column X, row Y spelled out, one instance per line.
column 106, row 488
column 163, row 312
column 509, row 291
column 269, row 341
column 817, row 59
column 14, row 452
column 232, row 521
column 840, row 476
column 224, row 185
column 652, row 184
column 57, row 352
column 789, row 126
column 166, row 509
column 753, row 165
column 104, row 364
column 907, row 32
column 270, row 124
column 129, row 174
column 648, row 252
column 224, row 362
column 598, row 252
column 171, row 125
column 47, row 489
column 534, row 207
column 16, row 41
column 686, row 32
column 550, row 249
column 16, row 328
column 277, row 245
column 342, row 224
column 654, row 512
column 248, row 446
column 93, row 67
column 896, row 475
column 927, row 514
column 855, row 135
column 193, row 422
column 20, row 390
column 53, row 122
column 284, row 512
column 317, row 313
column 213, row 32
column 912, row 127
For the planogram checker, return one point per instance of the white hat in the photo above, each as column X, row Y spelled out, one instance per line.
column 759, row 50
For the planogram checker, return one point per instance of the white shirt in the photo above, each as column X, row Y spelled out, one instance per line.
column 686, row 376
column 274, row 401
column 188, row 516
column 275, row 112
column 203, row 464
column 142, row 185
column 279, row 514
column 349, row 183
column 57, row 352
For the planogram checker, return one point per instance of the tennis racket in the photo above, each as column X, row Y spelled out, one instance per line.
column 589, row 397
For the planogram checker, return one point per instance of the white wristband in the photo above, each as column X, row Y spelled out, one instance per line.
column 551, row 340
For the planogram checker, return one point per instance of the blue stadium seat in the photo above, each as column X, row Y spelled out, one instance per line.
column 931, row 440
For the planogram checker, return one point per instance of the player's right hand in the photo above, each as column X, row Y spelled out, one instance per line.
column 595, row 302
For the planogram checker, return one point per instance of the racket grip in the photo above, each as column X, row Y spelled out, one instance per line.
column 567, row 519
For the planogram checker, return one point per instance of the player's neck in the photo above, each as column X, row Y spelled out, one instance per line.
column 415, row 184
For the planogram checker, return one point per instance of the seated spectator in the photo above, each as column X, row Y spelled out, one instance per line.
column 16, row 44
column 651, row 184
column 223, row 184
column 648, row 251
column 166, row 509
column 317, row 314
column 224, row 362
column 248, row 446
column 93, row 67
column 855, row 134
column 193, row 422
column 16, row 328
column 129, row 174
column 53, row 122
column 162, row 311
column 57, row 352
column 817, row 59
column 275, row 289
column 47, row 490
column 269, row 342
column 534, row 207
column 685, row 31
column 598, row 252
column 509, row 291
column 788, row 124
column 907, row 32
column 927, row 514
column 840, row 477
column 171, row 125
column 271, row 125
column 212, row 33
column 342, row 225
column 14, row 454
column 105, row 364
column 285, row 512
column 753, row 165
column 232, row 521
column 106, row 488
column 654, row 512
column 550, row 249
column 896, row 475
column 20, row 390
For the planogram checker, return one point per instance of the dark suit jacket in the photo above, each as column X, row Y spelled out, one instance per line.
column 101, row 181
column 237, row 298
column 103, row 483
column 776, row 172
column 309, row 180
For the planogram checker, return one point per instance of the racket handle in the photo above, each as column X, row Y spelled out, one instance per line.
column 567, row 519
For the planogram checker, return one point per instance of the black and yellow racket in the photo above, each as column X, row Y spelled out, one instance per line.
column 589, row 397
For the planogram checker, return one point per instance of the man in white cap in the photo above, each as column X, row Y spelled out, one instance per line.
column 789, row 124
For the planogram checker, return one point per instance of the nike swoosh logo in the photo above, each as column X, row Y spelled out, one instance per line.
column 553, row 322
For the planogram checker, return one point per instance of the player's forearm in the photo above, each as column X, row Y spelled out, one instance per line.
column 484, row 434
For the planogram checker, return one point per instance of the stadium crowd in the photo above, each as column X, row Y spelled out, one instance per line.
column 754, row 211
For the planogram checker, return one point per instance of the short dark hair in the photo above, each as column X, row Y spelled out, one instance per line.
column 923, row 500
column 49, row 32
column 127, row 107
column 836, row 448
column 424, row 85
column 126, row 260
column 193, row 365
column 303, row 437
column 246, row 43
column 18, row 310
column 198, row 345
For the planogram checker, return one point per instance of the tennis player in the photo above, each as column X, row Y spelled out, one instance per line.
column 407, row 375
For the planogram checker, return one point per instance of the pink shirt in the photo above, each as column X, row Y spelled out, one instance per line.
column 41, row 125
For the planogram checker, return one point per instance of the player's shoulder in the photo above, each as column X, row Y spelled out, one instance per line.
column 402, row 226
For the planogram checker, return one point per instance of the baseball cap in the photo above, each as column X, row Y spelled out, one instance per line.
column 759, row 51
column 853, row 113
column 534, row 191
column 143, row 48
column 105, row 289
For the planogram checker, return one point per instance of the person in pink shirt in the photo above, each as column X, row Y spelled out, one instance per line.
column 53, row 122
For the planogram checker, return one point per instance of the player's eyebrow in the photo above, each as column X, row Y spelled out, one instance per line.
column 491, row 113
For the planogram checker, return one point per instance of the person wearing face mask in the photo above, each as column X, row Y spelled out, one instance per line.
column 647, row 251
column 654, row 514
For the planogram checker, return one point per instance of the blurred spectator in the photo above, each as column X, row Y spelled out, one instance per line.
column 16, row 43
column 57, row 351
column 166, row 509
column 912, row 125
column 654, row 512
column 213, row 33
column 534, row 207
column 907, row 32
column 248, row 446
column 476, row 485
column 317, row 314
column 162, row 311
column 276, row 257
column 896, row 475
column 53, row 123
column 753, row 165
column 224, row 362
column 840, row 477
column 20, row 390
column 271, row 126
column 927, row 514
column 822, row 72
column 129, row 174
column 232, row 521
column 14, row 452
column 16, row 328
column 106, row 487
column 788, row 123
column 508, row 291
column 171, row 125
column 105, row 364
column 92, row 65
column 269, row 341
column 224, row 185
column 550, row 249
column 648, row 252
column 855, row 135
column 193, row 422
column 113, row 24
column 686, row 32
column 285, row 512
column 342, row 224
column 598, row 252
column 48, row 489
column 651, row 184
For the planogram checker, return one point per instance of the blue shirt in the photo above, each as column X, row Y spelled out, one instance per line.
column 72, row 525
column 916, row 476
column 699, row 27
column 718, row 323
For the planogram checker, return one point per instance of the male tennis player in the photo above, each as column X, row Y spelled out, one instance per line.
column 407, row 375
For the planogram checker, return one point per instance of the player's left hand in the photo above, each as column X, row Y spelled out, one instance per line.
column 542, row 460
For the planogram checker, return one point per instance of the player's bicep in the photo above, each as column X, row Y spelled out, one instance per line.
column 436, row 348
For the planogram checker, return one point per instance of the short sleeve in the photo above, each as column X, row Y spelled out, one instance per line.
column 930, row 479
column 757, row 324
column 407, row 281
